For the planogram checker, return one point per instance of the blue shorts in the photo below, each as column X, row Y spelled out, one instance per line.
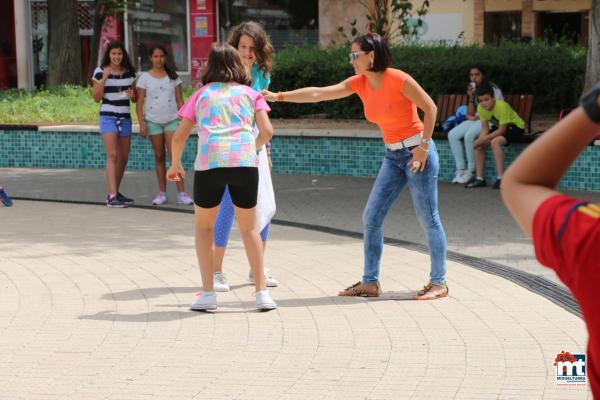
column 120, row 126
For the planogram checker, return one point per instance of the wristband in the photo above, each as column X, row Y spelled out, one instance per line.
column 279, row 96
column 589, row 102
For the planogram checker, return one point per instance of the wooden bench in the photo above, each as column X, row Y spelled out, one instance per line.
column 448, row 103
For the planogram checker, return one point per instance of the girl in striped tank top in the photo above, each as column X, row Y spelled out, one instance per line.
column 113, row 86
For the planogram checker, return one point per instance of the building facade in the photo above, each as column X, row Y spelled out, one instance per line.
column 187, row 28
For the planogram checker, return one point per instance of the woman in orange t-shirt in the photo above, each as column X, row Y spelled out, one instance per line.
column 391, row 98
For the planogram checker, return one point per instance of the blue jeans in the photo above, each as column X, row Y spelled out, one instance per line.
column 394, row 174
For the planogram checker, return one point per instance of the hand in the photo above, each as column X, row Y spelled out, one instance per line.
column 143, row 129
column 131, row 93
column 106, row 72
column 481, row 142
column 269, row 96
column 419, row 159
column 470, row 90
column 176, row 173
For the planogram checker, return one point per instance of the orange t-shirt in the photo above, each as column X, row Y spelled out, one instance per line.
column 387, row 107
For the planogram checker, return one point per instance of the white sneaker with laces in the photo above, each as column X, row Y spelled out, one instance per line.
column 205, row 301
column 464, row 177
column 220, row 282
column 264, row 301
column 269, row 280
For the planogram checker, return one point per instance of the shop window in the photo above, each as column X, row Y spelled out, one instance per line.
column 288, row 22
column 158, row 22
column 502, row 26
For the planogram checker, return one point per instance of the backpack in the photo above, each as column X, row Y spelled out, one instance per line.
column 459, row 116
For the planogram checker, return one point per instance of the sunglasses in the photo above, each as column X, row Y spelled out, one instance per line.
column 354, row 54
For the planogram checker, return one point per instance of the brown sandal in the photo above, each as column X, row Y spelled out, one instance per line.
column 362, row 290
column 432, row 291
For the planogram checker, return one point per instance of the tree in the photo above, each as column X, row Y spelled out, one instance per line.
column 64, row 46
column 102, row 10
column 395, row 20
column 592, row 70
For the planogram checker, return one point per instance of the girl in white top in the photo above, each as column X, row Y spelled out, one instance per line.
column 159, row 98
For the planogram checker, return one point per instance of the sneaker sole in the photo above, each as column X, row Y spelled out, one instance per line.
column 221, row 289
column 266, row 307
column 203, row 308
column 111, row 206
column 267, row 284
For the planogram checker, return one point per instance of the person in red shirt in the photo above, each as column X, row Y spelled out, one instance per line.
column 565, row 230
column 391, row 98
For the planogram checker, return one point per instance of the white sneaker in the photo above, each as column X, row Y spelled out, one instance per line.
column 458, row 176
column 269, row 280
column 264, row 301
column 160, row 199
column 184, row 198
column 464, row 177
column 205, row 301
column 220, row 282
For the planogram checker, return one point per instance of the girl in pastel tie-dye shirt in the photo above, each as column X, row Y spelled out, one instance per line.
column 225, row 111
column 256, row 51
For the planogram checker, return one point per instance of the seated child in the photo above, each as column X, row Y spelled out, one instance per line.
column 507, row 126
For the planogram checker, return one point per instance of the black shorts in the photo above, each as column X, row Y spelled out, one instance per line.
column 513, row 133
column 209, row 186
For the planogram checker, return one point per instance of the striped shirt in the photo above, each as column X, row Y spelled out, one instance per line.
column 115, row 102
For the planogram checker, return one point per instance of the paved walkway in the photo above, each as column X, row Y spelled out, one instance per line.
column 476, row 222
column 94, row 305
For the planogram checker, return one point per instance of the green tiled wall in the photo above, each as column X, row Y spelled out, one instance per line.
column 291, row 155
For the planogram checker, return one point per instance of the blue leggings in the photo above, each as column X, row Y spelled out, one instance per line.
column 224, row 222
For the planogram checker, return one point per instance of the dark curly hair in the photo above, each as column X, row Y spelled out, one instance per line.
column 264, row 48
column 225, row 65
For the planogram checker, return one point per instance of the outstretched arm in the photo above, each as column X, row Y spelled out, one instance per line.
column 534, row 175
column 311, row 94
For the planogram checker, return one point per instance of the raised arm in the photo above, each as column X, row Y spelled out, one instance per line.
column 311, row 94
column 534, row 175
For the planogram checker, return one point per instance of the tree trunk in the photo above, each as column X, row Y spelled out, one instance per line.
column 64, row 45
column 592, row 70
column 95, row 43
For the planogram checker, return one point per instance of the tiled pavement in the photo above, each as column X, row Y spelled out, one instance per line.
column 94, row 304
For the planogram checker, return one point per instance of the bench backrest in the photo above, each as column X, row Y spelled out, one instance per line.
column 448, row 103
column 523, row 105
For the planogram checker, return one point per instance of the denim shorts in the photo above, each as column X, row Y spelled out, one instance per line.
column 154, row 128
column 120, row 126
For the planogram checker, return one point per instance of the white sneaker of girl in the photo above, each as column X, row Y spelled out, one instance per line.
column 269, row 280
column 184, row 198
column 264, row 301
column 160, row 199
column 205, row 301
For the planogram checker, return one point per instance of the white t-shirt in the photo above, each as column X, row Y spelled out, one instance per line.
column 160, row 105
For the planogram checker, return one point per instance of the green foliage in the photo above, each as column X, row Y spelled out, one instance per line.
column 552, row 73
column 59, row 104
column 395, row 20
